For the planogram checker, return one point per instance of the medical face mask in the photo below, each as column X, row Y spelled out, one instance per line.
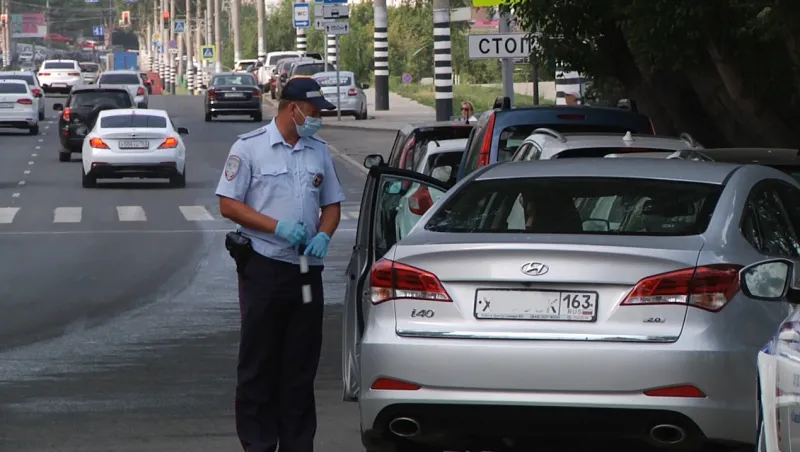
column 309, row 127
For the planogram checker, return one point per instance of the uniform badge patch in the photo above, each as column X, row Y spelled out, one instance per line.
column 232, row 167
column 317, row 181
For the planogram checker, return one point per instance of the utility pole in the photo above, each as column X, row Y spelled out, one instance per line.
column 301, row 42
column 507, row 64
column 209, row 25
column 171, row 56
column 218, row 34
column 381, row 55
column 237, row 34
column 187, row 32
column 9, row 53
column 442, row 60
column 262, row 50
column 164, row 46
column 47, row 24
column 199, row 33
column 3, row 45
column 331, row 51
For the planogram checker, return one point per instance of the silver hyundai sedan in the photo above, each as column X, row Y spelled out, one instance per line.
column 569, row 301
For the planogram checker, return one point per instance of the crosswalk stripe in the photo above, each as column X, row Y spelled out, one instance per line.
column 7, row 214
column 67, row 215
column 196, row 213
column 131, row 213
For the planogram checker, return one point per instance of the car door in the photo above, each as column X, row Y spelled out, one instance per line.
column 376, row 234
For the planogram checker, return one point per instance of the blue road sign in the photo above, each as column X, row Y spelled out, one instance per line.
column 180, row 26
column 173, row 44
column 92, row 1
column 302, row 15
column 334, row 1
column 98, row 31
column 208, row 53
column 407, row 78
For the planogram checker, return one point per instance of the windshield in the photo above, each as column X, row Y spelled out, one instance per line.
column 89, row 67
column 240, row 79
column 94, row 98
column 309, row 69
column 120, row 79
column 133, row 120
column 13, row 88
column 243, row 65
column 273, row 59
column 27, row 78
column 579, row 205
column 330, row 80
column 59, row 65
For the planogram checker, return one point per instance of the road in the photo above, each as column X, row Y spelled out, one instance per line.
column 121, row 335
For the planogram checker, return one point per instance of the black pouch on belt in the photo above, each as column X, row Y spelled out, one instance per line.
column 240, row 248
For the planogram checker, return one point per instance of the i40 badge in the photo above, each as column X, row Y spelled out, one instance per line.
column 425, row 313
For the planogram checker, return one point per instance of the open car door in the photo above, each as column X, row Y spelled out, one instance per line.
column 392, row 197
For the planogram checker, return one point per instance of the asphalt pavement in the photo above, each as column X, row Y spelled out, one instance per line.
column 119, row 324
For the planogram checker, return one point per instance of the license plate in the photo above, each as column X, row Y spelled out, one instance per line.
column 572, row 306
column 6, row 105
column 60, row 84
column 234, row 95
column 134, row 144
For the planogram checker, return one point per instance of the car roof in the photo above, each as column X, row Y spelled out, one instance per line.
column 678, row 170
column 134, row 111
column 333, row 74
column 569, row 114
column 754, row 155
column 227, row 74
column 558, row 142
column 122, row 71
column 2, row 73
column 11, row 80
column 86, row 88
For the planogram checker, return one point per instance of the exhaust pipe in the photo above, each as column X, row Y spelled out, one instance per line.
column 404, row 427
column 667, row 434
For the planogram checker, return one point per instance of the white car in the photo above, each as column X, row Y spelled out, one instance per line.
column 18, row 106
column 60, row 75
column 131, row 80
column 134, row 143
column 33, row 84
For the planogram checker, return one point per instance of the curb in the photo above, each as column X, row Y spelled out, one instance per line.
column 272, row 103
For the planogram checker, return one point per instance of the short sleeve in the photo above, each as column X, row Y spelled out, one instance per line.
column 331, row 191
column 235, row 179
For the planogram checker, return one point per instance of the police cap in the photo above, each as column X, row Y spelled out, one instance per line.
column 308, row 90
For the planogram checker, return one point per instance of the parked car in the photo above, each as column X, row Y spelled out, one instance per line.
column 410, row 143
column 90, row 72
column 539, row 303
column 131, row 80
column 80, row 112
column 33, row 83
column 233, row 93
column 134, row 143
column 347, row 94
column 60, row 76
column 265, row 72
column 786, row 160
column 499, row 133
column 18, row 106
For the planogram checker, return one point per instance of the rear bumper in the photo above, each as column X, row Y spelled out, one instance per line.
column 61, row 85
column 347, row 105
column 163, row 163
column 233, row 107
column 21, row 120
column 140, row 170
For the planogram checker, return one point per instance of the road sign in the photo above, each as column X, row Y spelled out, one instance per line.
column 92, row 1
column 173, row 44
column 337, row 28
column 98, row 30
column 334, row 1
column 511, row 45
column 179, row 26
column 319, row 23
column 208, row 53
column 335, row 11
column 156, row 36
column 302, row 15
column 407, row 78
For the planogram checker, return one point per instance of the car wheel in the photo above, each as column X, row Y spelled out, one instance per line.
column 87, row 180
column 179, row 181
column 34, row 130
column 41, row 116
column 64, row 156
column 258, row 117
column 362, row 115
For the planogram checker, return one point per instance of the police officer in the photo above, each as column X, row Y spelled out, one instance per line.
column 280, row 186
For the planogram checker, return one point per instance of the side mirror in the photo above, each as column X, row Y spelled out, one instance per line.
column 58, row 107
column 373, row 160
column 141, row 105
column 183, row 131
column 365, row 86
column 768, row 280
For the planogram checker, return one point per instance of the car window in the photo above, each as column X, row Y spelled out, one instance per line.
column 120, row 79
column 133, row 120
column 276, row 58
column 27, row 78
column 749, row 227
column 59, row 65
column 309, row 69
column 239, row 79
column 394, row 156
column 89, row 67
column 522, row 152
column 580, row 205
column 444, row 166
column 13, row 88
column 776, row 234
column 94, row 98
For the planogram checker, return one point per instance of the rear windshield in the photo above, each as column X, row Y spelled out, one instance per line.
column 27, row 78
column 309, row 69
column 120, row 79
column 59, row 65
column 579, row 205
column 133, row 120
column 445, row 164
column 89, row 67
column 13, row 88
column 602, row 152
column 273, row 60
column 331, row 80
column 98, row 97
column 239, row 79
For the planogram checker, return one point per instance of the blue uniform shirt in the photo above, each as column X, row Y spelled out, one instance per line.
column 282, row 182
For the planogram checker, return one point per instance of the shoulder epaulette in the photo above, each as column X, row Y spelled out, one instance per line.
column 253, row 133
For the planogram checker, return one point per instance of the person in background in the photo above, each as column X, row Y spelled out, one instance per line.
column 573, row 98
column 468, row 112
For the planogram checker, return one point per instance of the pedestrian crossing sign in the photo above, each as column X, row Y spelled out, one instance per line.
column 179, row 26
column 208, row 53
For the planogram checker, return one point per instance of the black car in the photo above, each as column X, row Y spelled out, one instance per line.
column 233, row 93
column 80, row 112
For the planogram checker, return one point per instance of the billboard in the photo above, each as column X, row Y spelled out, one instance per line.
column 28, row 25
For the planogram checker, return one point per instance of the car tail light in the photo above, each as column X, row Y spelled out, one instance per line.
column 74, row 74
column 256, row 92
column 66, row 114
column 169, row 143
column 391, row 280
column 420, row 201
column 390, row 384
column 352, row 92
column 97, row 143
column 43, row 74
column 36, row 92
column 709, row 287
column 212, row 94
column 140, row 91
column 486, row 146
column 686, row 391
column 25, row 101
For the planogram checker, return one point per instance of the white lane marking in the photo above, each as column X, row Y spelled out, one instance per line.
column 7, row 214
column 35, row 154
column 27, row 171
column 22, row 182
column 15, row 195
column 37, row 147
column 67, row 215
column 30, row 163
column 131, row 213
column 41, row 140
column 131, row 231
column 196, row 213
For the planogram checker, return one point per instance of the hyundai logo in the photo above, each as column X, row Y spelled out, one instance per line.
column 535, row 269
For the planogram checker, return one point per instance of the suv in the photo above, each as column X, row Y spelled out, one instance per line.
column 301, row 67
column 130, row 80
column 90, row 72
column 498, row 133
column 33, row 84
column 60, row 76
column 80, row 112
column 411, row 142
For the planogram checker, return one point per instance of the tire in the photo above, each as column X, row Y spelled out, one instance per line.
column 34, row 130
column 178, row 181
column 362, row 116
column 258, row 117
column 208, row 117
column 87, row 180
column 64, row 156
column 41, row 116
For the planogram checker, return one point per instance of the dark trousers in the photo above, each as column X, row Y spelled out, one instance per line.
column 281, row 338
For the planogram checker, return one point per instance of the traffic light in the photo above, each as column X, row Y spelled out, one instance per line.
column 126, row 17
column 165, row 18
column 3, row 20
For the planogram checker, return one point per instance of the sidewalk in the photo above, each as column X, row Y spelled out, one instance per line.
column 401, row 111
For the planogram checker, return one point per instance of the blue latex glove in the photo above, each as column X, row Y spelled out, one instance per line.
column 318, row 246
column 291, row 231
